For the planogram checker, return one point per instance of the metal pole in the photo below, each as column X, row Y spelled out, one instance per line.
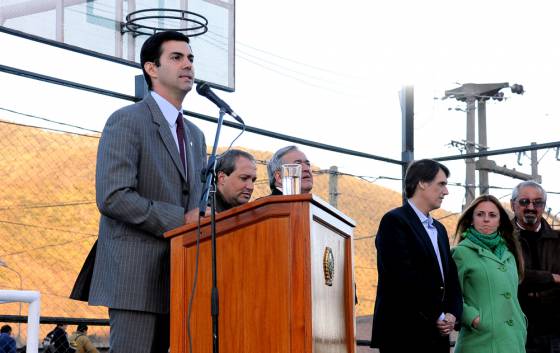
column 483, row 145
column 131, row 42
column 119, row 17
column 534, row 163
column 59, row 21
column 407, row 110
column 470, row 168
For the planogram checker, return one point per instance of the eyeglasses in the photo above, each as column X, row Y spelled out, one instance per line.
column 536, row 203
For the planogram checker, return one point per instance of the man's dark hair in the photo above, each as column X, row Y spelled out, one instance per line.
column 6, row 329
column 152, row 49
column 226, row 161
column 424, row 170
column 82, row 328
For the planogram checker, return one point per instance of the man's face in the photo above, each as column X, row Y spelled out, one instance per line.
column 297, row 157
column 237, row 188
column 528, row 207
column 175, row 73
column 434, row 191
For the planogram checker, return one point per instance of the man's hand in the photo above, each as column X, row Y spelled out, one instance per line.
column 192, row 215
column 446, row 325
column 556, row 277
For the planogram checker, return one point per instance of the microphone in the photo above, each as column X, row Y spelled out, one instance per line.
column 203, row 88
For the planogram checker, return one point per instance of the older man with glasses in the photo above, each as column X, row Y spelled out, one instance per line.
column 539, row 292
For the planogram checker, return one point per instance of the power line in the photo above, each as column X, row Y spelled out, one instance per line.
column 45, row 228
column 49, row 120
column 48, row 205
column 239, row 43
column 48, row 246
column 46, row 128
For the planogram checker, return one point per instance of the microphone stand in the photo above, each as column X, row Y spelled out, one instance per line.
column 210, row 186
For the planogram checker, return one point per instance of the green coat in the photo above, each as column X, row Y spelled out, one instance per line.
column 489, row 288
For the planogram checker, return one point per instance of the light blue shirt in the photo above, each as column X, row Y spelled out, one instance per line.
column 170, row 114
column 428, row 223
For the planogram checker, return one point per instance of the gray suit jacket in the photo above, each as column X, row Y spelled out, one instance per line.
column 141, row 192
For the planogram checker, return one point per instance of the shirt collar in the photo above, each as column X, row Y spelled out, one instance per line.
column 168, row 110
column 423, row 218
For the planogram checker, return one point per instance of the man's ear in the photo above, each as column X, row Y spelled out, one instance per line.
column 277, row 178
column 150, row 68
column 422, row 185
column 221, row 177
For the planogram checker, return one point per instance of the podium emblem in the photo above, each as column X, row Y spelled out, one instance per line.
column 328, row 266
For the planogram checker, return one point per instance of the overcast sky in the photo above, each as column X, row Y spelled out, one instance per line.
column 330, row 71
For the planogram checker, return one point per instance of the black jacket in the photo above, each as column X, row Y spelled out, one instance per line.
column 539, row 295
column 410, row 293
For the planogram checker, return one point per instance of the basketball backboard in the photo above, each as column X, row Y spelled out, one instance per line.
column 98, row 25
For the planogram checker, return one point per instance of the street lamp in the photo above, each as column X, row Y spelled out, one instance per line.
column 4, row 264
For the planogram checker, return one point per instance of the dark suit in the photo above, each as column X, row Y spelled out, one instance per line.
column 410, row 293
column 141, row 192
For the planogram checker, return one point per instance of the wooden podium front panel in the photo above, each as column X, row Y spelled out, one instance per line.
column 254, row 282
column 333, row 319
column 269, row 267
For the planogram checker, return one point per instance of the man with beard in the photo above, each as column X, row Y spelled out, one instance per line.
column 236, row 172
column 539, row 292
column 289, row 155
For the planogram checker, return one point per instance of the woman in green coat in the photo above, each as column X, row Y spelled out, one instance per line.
column 490, row 266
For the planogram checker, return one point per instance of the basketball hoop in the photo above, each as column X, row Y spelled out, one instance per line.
column 150, row 21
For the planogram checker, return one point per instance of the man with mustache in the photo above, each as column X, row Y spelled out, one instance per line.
column 289, row 155
column 236, row 172
column 539, row 292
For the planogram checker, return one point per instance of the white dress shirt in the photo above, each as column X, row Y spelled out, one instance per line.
column 170, row 114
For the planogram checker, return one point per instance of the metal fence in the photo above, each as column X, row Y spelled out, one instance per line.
column 49, row 220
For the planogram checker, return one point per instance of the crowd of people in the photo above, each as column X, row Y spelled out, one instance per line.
column 500, row 284
column 148, row 181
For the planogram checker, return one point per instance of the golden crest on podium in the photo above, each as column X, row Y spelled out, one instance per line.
column 328, row 266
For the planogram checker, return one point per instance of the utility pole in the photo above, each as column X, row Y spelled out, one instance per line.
column 407, row 112
column 471, row 93
column 483, row 181
column 333, row 186
column 470, row 170
column 534, row 164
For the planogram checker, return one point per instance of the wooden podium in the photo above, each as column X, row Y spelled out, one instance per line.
column 274, row 258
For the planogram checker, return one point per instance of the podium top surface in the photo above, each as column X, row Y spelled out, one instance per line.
column 313, row 199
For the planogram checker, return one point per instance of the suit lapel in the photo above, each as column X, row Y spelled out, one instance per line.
column 190, row 157
column 165, row 134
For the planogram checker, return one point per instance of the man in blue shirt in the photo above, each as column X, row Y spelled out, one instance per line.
column 7, row 343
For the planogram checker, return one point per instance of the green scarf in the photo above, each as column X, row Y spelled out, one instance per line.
column 493, row 242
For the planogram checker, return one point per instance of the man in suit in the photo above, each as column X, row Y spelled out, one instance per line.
column 289, row 155
column 418, row 293
column 236, row 172
column 148, row 171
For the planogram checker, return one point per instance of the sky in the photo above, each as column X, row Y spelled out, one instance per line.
column 331, row 71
